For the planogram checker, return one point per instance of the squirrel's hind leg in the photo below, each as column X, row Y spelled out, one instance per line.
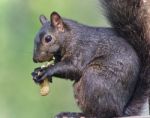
column 101, row 91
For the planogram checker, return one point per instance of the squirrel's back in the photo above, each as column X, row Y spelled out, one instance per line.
column 104, row 39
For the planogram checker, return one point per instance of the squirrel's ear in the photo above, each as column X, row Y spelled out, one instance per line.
column 57, row 22
column 43, row 19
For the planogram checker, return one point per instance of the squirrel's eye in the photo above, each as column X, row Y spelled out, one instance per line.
column 48, row 39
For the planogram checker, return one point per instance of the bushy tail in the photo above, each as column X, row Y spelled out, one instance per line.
column 130, row 19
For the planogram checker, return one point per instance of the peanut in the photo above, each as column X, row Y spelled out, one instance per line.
column 44, row 87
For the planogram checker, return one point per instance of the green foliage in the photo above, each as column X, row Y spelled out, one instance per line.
column 19, row 96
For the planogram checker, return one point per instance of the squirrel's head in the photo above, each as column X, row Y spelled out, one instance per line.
column 48, row 40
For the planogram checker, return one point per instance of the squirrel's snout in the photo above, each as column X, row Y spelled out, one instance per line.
column 35, row 60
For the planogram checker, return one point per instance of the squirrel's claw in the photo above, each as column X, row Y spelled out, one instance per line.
column 39, row 75
column 44, row 77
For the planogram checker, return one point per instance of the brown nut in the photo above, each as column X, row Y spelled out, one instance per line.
column 44, row 87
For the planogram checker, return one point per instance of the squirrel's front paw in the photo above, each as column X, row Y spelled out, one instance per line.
column 43, row 76
column 39, row 75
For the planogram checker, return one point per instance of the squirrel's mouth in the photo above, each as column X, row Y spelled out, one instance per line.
column 48, row 63
column 43, row 58
column 45, row 62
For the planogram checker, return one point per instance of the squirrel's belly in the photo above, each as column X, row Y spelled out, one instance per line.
column 81, row 98
column 79, row 95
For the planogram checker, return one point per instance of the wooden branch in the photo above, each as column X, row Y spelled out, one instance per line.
column 81, row 115
column 135, row 117
column 69, row 116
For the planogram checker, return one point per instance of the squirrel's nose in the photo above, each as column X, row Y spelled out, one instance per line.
column 35, row 60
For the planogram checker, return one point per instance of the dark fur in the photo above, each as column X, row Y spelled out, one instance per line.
column 102, row 63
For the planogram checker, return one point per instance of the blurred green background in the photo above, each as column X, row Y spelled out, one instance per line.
column 19, row 96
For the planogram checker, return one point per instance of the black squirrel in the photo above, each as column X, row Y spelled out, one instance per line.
column 110, row 66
